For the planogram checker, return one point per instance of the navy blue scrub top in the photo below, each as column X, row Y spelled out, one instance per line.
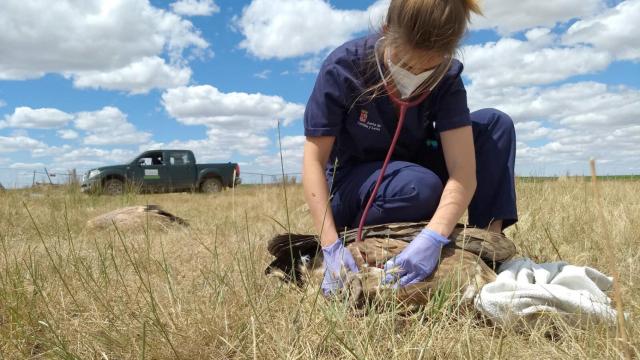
column 364, row 128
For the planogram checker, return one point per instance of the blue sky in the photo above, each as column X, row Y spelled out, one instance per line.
column 93, row 84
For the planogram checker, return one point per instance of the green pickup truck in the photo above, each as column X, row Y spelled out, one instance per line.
column 162, row 171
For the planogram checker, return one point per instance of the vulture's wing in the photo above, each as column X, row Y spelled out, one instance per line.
column 490, row 246
column 460, row 270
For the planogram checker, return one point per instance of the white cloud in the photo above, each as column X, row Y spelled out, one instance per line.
column 85, row 158
column 531, row 130
column 18, row 143
column 574, row 148
column 615, row 30
column 310, row 65
column 293, row 142
column 220, row 146
column 109, row 126
column 44, row 118
column 535, row 61
column 76, row 37
column 275, row 28
column 27, row 166
column 508, row 16
column 290, row 28
column 138, row 78
column 237, row 123
column 48, row 151
column 2, row 103
column 559, row 127
column 292, row 151
column 570, row 124
column 195, row 7
column 263, row 74
column 585, row 104
column 237, row 111
column 67, row 134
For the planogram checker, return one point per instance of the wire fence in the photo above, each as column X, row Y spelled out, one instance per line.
column 24, row 178
column 254, row 178
column 21, row 178
column 12, row 178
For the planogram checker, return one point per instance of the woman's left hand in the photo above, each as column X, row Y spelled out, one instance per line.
column 417, row 261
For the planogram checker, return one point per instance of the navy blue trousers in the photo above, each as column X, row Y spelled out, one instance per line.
column 412, row 191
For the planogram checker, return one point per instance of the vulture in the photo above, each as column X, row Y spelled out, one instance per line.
column 466, row 264
column 135, row 218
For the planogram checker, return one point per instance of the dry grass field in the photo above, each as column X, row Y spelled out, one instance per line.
column 200, row 293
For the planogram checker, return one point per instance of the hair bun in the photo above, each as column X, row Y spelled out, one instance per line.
column 473, row 6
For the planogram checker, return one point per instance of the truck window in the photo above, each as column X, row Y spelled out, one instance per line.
column 149, row 159
column 179, row 158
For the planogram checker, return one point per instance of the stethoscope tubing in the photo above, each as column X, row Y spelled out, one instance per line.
column 403, row 106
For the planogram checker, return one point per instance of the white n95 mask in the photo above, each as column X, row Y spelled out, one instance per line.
column 406, row 82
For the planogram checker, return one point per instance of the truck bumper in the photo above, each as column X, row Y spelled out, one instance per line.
column 90, row 186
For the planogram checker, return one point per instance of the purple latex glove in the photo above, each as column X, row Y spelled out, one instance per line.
column 418, row 260
column 336, row 257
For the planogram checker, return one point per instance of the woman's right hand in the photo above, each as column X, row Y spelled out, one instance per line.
column 338, row 261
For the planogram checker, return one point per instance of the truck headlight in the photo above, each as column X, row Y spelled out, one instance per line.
column 94, row 173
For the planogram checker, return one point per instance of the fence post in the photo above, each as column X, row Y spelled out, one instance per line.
column 49, row 177
column 73, row 177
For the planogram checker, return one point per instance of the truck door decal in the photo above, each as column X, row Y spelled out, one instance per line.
column 151, row 174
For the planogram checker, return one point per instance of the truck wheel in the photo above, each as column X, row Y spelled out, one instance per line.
column 211, row 185
column 113, row 187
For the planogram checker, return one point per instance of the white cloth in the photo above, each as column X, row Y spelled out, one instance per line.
column 524, row 290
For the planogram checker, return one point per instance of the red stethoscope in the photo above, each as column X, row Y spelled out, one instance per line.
column 403, row 106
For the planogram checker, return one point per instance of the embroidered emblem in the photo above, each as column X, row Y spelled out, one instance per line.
column 363, row 122
column 364, row 114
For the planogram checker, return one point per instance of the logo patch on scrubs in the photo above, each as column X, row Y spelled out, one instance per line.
column 364, row 114
column 363, row 122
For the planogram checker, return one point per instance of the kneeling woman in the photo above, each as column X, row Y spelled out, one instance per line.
column 445, row 160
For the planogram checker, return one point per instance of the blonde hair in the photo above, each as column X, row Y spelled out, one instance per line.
column 430, row 25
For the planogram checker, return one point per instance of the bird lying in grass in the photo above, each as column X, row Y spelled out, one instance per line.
column 135, row 218
column 466, row 264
